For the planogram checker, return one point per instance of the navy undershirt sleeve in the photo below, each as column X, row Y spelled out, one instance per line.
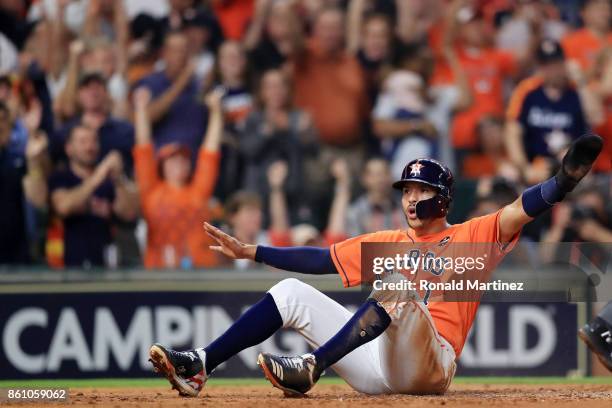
column 310, row 260
column 541, row 197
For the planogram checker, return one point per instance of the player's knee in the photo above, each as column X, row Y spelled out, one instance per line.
column 288, row 295
column 286, row 284
column 289, row 288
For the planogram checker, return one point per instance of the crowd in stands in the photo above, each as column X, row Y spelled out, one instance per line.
column 124, row 125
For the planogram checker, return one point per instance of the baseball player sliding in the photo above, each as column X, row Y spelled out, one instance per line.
column 379, row 349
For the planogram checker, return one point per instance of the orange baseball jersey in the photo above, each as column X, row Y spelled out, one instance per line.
column 172, row 212
column 452, row 319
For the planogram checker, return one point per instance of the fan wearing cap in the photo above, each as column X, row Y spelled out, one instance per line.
column 546, row 112
column 175, row 197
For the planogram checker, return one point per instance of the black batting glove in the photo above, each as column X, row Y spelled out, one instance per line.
column 578, row 161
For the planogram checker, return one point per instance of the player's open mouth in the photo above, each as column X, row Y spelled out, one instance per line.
column 412, row 213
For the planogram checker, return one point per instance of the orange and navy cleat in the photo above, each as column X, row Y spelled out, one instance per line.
column 295, row 376
column 184, row 369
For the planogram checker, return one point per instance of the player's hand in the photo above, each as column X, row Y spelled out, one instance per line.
column 578, row 160
column 228, row 245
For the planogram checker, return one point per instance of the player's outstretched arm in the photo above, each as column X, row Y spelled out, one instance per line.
column 309, row 260
column 536, row 199
column 228, row 245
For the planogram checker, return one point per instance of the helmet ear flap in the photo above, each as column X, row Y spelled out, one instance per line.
column 434, row 207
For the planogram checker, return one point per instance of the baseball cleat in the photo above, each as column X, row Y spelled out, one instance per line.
column 184, row 369
column 295, row 376
column 598, row 337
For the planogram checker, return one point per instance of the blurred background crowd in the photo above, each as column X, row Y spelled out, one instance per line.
column 126, row 124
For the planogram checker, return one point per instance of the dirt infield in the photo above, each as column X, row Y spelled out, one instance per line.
column 461, row 395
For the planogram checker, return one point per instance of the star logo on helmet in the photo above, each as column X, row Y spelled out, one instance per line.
column 415, row 169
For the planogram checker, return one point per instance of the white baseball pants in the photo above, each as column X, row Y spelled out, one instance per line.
column 409, row 357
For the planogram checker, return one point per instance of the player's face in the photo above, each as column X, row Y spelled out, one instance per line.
column 413, row 192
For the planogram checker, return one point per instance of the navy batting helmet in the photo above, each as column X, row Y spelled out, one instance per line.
column 435, row 174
